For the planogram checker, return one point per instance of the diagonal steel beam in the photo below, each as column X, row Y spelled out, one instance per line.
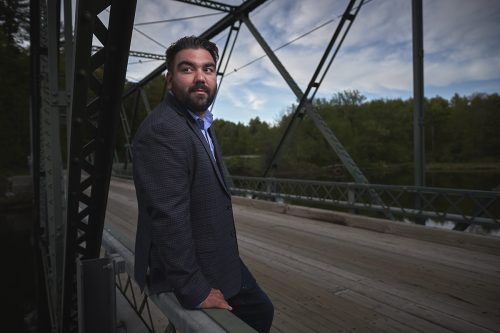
column 307, row 105
column 231, row 39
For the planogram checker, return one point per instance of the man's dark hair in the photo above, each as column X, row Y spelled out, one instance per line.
column 190, row 42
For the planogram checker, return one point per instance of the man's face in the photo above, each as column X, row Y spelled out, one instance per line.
column 193, row 79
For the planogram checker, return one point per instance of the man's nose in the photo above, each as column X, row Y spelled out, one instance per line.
column 199, row 76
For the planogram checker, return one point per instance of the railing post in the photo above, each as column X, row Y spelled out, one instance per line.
column 269, row 188
column 351, row 198
column 96, row 296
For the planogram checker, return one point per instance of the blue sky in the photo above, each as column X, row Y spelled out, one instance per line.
column 461, row 50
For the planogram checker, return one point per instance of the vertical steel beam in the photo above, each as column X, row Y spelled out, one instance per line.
column 418, row 93
column 68, row 63
column 95, row 117
column 43, row 306
column 35, row 104
column 51, row 187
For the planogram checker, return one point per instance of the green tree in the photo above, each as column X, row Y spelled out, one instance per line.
column 14, row 80
column 437, row 119
column 14, row 22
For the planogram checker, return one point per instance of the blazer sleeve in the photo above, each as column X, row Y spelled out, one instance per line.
column 163, row 165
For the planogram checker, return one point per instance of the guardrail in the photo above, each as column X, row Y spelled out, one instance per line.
column 412, row 203
column 186, row 321
column 464, row 207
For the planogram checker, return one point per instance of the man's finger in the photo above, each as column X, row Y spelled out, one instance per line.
column 216, row 300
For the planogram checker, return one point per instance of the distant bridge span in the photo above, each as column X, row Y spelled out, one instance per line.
column 367, row 275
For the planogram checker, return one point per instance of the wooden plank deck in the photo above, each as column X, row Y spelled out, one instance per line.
column 324, row 277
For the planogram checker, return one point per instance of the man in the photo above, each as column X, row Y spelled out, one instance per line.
column 186, row 241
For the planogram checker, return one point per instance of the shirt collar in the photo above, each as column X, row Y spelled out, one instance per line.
column 207, row 119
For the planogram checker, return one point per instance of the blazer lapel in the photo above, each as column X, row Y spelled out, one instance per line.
column 220, row 162
column 215, row 164
column 171, row 100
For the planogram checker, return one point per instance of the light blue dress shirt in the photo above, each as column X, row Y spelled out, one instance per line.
column 204, row 124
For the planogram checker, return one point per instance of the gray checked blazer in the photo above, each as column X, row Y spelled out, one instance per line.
column 185, row 241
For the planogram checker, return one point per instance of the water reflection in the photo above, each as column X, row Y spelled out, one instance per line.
column 475, row 229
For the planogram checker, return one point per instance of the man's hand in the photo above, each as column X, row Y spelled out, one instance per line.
column 215, row 300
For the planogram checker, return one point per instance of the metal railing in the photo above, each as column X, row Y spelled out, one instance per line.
column 186, row 321
column 412, row 203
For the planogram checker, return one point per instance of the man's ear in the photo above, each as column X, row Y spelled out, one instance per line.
column 168, row 81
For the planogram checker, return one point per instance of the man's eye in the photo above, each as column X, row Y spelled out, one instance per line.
column 186, row 69
column 210, row 69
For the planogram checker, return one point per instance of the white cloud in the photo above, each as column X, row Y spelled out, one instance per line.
column 460, row 43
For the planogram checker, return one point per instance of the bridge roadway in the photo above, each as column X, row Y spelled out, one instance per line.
column 326, row 277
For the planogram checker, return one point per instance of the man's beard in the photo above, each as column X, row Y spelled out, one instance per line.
column 197, row 103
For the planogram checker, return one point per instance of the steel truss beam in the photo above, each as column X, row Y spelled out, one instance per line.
column 211, row 4
column 232, row 21
column 137, row 54
column 94, row 122
column 306, row 99
column 305, row 104
column 224, row 23
column 221, row 69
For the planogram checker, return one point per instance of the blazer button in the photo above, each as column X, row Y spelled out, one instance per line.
column 228, row 207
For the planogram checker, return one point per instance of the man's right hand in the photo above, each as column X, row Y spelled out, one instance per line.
column 215, row 300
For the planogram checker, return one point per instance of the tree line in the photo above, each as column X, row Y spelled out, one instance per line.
column 14, row 84
column 375, row 133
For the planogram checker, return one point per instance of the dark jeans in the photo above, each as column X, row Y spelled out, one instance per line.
column 251, row 304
